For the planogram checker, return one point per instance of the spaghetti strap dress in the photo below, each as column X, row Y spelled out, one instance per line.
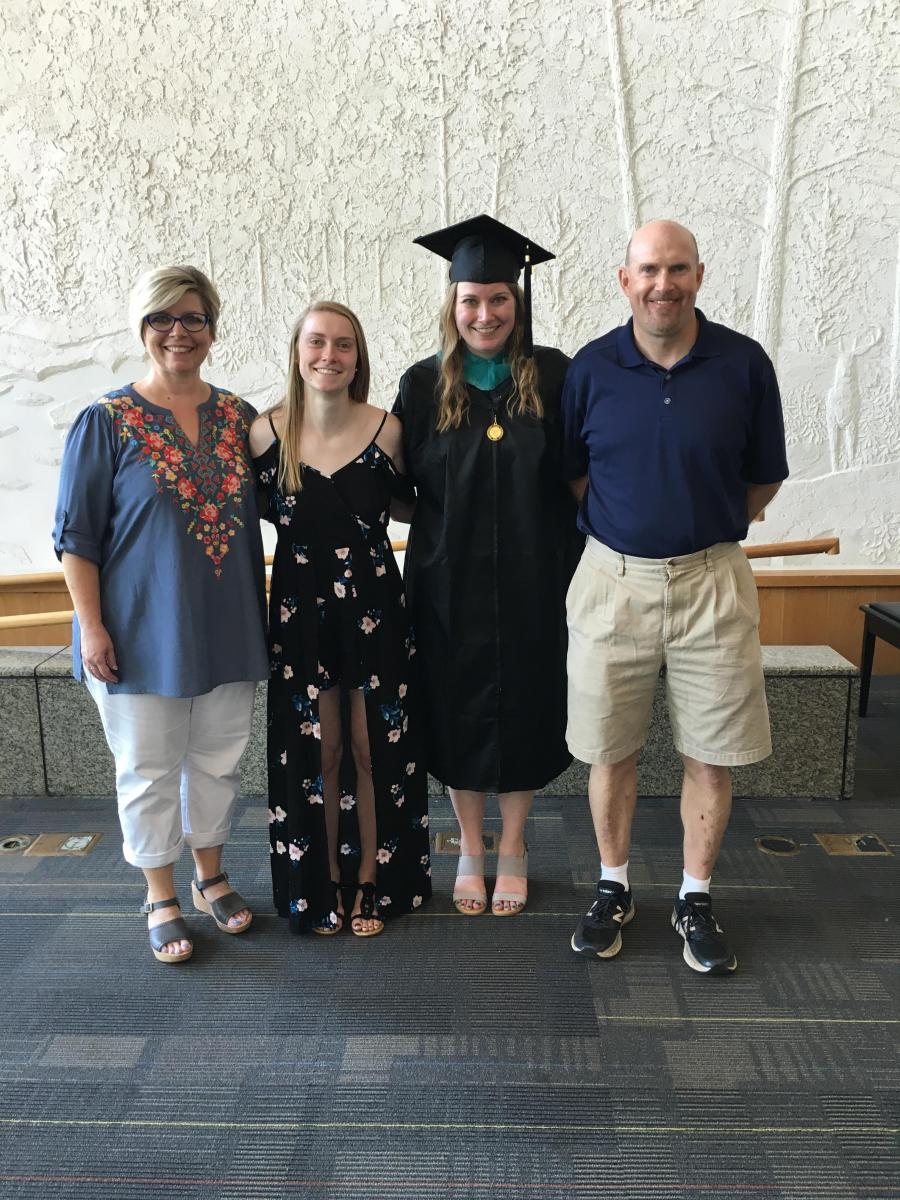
column 337, row 618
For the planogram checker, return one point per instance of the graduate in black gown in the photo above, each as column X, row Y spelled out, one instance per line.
column 492, row 547
column 348, row 811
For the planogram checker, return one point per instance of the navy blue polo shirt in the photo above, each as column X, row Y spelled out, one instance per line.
column 669, row 453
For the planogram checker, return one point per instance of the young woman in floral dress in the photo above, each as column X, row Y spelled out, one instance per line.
column 347, row 783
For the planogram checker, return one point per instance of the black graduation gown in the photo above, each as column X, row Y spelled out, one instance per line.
column 492, row 548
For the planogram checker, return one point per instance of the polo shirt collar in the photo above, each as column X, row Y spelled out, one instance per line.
column 706, row 345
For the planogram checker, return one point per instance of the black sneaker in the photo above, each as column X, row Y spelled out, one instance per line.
column 705, row 947
column 599, row 932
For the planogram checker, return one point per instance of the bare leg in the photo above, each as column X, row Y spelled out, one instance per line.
column 331, row 749
column 208, row 862
column 705, row 809
column 365, row 806
column 514, row 809
column 469, row 809
column 160, row 886
column 612, row 791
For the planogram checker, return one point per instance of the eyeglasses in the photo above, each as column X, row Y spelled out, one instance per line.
column 162, row 322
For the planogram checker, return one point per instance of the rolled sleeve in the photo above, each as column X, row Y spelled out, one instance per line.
column 84, row 499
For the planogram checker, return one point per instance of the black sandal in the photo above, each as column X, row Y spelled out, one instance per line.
column 175, row 930
column 223, row 908
column 332, row 922
column 368, row 911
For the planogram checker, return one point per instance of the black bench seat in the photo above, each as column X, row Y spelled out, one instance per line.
column 882, row 621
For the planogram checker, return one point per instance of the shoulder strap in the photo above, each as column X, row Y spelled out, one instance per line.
column 272, row 424
column 380, row 427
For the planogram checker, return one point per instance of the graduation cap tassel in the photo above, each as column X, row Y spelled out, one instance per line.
column 527, row 339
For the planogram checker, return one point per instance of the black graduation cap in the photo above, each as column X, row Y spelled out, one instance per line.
column 482, row 250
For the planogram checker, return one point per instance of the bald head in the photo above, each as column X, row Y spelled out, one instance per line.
column 661, row 277
column 671, row 233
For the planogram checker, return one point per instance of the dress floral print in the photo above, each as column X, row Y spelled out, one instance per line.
column 208, row 480
column 338, row 617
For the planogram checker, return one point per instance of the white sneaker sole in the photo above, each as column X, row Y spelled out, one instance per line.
column 610, row 951
column 701, row 968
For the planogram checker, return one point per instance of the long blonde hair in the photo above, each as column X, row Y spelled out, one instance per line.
column 290, row 473
column 453, row 399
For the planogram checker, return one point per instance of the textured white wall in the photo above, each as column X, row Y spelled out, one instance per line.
column 293, row 149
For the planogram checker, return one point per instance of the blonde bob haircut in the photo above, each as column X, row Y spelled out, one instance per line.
column 453, row 399
column 157, row 289
column 290, row 472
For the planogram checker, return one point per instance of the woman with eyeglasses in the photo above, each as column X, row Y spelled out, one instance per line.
column 157, row 529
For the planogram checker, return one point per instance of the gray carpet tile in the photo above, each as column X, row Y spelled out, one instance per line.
column 455, row 1057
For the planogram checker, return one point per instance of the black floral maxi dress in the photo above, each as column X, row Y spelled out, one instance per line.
column 337, row 617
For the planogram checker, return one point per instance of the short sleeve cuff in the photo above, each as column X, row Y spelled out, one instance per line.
column 69, row 541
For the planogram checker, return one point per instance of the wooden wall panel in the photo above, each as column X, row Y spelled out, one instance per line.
column 797, row 608
column 821, row 607
column 41, row 593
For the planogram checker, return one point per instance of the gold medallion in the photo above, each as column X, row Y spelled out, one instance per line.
column 494, row 432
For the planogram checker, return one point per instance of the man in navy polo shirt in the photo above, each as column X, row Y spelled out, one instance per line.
column 674, row 442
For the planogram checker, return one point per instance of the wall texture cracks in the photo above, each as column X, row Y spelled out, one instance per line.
column 295, row 149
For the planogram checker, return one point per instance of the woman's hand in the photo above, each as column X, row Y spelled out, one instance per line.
column 98, row 654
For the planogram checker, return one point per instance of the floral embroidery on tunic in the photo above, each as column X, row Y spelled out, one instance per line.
column 208, row 480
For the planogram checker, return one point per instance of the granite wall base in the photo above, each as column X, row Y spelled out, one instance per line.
column 21, row 749
column 53, row 742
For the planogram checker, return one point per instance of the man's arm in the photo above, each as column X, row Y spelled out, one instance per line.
column 759, row 495
column 766, row 456
column 578, row 487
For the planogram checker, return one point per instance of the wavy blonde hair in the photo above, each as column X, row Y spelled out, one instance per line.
column 453, row 399
column 290, row 472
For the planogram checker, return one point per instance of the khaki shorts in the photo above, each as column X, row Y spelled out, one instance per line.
column 698, row 616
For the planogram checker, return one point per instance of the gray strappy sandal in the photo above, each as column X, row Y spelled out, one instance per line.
column 511, row 864
column 470, row 864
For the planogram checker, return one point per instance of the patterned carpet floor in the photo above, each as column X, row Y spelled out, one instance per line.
column 454, row 1058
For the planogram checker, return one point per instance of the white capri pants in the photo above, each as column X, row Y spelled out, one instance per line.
column 176, row 766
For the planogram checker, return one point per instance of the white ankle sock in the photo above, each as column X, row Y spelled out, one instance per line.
column 615, row 874
column 690, row 884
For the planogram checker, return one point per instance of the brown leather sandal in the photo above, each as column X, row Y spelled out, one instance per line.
column 223, row 908
column 175, row 930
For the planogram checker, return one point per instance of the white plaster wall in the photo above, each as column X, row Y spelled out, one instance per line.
column 293, row 149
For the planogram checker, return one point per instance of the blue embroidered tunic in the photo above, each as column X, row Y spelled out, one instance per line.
column 174, row 530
